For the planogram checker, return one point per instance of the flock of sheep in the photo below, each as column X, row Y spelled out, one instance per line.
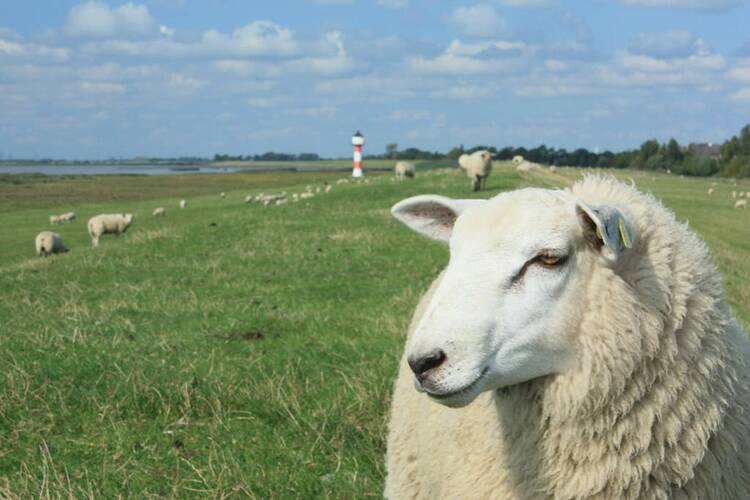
column 48, row 242
column 742, row 195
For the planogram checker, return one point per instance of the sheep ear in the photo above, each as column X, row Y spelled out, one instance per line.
column 431, row 215
column 607, row 228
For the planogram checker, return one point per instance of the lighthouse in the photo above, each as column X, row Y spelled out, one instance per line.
column 357, row 141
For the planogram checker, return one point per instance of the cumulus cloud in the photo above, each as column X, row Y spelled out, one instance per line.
column 479, row 20
column 667, row 45
column 98, row 20
column 475, row 58
column 718, row 5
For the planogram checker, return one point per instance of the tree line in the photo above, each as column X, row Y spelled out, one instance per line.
column 732, row 158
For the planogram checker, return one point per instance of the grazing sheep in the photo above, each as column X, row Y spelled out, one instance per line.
column 740, row 204
column 306, row 195
column 710, row 191
column 404, row 169
column 248, row 199
column 66, row 217
column 183, row 203
column 585, row 337
column 159, row 212
column 108, row 224
column 223, row 194
column 526, row 166
column 734, row 194
column 48, row 243
column 517, row 160
column 281, row 201
column 552, row 169
column 328, row 188
column 478, row 167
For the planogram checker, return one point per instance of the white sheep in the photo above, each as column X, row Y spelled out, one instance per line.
column 734, row 194
column 517, row 160
column 306, row 195
column 160, row 211
column 328, row 188
column 108, row 224
column 552, row 169
column 740, row 204
column 404, row 169
column 585, row 337
column 478, row 167
column 710, row 191
column 48, row 243
column 223, row 194
column 66, row 217
column 526, row 166
column 183, row 203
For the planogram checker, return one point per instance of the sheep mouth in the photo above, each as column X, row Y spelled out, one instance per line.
column 463, row 390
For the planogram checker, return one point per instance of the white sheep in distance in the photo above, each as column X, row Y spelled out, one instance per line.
column 223, row 194
column 183, row 203
column 710, row 191
column 517, row 160
column 48, row 243
column 66, row 217
column 404, row 169
column 159, row 212
column 740, row 204
column 585, row 337
column 108, row 224
column 478, row 166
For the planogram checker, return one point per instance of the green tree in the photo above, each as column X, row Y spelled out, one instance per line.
column 391, row 150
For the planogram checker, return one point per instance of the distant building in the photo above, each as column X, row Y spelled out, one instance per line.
column 706, row 149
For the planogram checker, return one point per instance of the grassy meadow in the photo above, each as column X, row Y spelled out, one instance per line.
column 235, row 350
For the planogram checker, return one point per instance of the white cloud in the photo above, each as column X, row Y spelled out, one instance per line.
column 479, row 20
column 740, row 73
column 461, row 92
column 256, row 38
column 475, row 58
column 393, row 4
column 667, row 45
column 686, row 4
column 18, row 50
column 742, row 95
column 527, row 3
column 103, row 88
column 98, row 20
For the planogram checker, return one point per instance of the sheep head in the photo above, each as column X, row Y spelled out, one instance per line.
column 510, row 300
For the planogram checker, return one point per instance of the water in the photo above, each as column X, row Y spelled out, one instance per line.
column 115, row 169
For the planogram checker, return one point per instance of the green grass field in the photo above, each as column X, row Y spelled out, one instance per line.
column 231, row 349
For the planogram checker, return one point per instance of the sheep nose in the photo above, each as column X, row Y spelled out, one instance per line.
column 422, row 365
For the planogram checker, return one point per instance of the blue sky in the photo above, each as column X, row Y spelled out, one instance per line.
column 186, row 77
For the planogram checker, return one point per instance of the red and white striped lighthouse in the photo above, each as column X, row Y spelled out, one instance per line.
column 357, row 140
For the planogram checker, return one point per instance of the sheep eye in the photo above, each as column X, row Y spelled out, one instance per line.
column 549, row 260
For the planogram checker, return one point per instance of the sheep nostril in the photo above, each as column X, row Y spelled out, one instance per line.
column 424, row 364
